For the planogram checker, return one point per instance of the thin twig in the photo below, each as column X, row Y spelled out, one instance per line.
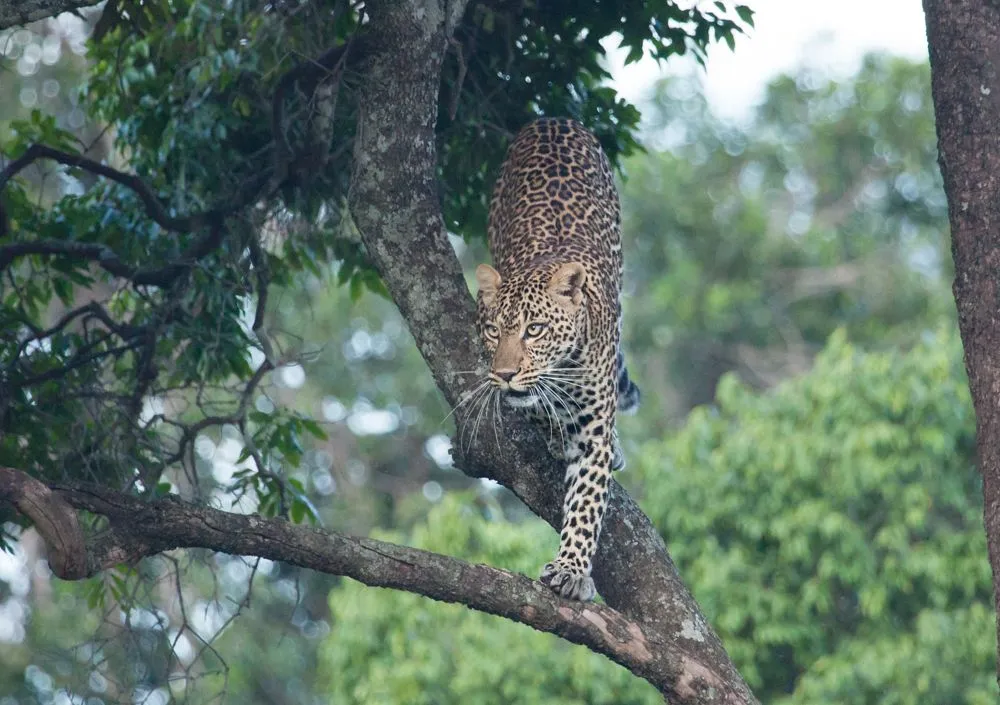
column 154, row 207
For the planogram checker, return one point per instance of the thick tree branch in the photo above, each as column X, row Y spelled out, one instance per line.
column 965, row 83
column 139, row 529
column 394, row 202
column 52, row 517
column 18, row 12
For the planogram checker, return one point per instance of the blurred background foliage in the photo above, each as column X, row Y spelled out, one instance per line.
column 831, row 531
column 806, row 440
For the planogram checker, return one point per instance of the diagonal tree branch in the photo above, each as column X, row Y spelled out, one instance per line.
column 394, row 202
column 139, row 529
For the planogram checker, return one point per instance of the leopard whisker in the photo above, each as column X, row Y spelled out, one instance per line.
column 466, row 399
column 566, row 385
column 484, row 404
column 481, row 395
column 561, row 396
column 569, row 361
column 571, row 371
column 561, row 399
column 553, row 416
column 469, row 423
column 497, row 419
column 563, row 380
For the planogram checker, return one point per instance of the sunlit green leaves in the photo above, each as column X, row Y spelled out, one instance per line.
column 847, row 506
column 39, row 128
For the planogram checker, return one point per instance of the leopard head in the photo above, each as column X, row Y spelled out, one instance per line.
column 534, row 324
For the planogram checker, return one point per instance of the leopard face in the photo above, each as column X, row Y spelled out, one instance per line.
column 534, row 324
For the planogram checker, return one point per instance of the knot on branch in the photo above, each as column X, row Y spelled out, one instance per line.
column 54, row 519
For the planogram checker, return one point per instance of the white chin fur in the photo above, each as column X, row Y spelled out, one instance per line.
column 521, row 402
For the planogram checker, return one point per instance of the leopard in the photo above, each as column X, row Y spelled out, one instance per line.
column 549, row 313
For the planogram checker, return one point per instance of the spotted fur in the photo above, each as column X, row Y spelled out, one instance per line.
column 550, row 315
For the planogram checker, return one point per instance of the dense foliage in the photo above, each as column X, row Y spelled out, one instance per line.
column 831, row 529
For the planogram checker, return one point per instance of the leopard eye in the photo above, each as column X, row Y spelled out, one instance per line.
column 534, row 330
column 491, row 330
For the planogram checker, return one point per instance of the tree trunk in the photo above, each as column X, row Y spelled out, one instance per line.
column 964, row 41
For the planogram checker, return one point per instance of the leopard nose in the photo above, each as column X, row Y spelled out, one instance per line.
column 506, row 375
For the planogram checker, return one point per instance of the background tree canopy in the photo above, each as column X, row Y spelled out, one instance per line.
column 233, row 344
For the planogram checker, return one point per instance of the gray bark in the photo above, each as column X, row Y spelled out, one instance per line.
column 140, row 529
column 964, row 41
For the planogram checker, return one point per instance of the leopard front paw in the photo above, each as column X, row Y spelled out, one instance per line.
column 568, row 582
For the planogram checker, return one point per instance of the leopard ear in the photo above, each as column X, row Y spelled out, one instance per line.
column 567, row 282
column 489, row 282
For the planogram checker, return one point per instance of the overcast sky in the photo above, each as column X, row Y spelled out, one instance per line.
column 830, row 35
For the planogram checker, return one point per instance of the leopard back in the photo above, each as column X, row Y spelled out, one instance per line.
column 555, row 199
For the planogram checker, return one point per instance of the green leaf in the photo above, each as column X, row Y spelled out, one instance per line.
column 314, row 429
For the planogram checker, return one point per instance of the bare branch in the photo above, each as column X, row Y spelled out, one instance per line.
column 18, row 12
column 80, row 358
column 93, row 309
column 154, row 208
